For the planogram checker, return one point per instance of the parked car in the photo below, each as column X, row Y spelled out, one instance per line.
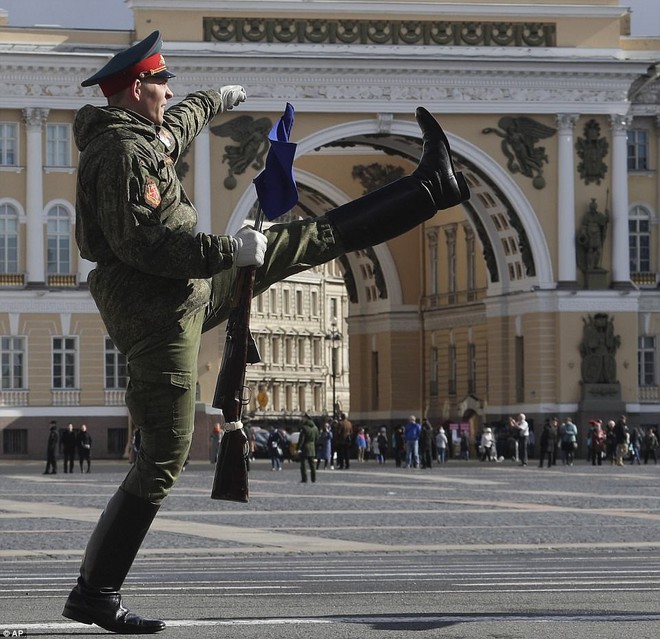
column 261, row 442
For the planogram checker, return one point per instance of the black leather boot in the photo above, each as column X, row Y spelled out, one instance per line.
column 402, row 205
column 108, row 558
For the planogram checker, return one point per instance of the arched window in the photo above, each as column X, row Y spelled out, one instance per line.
column 59, row 241
column 8, row 239
column 639, row 238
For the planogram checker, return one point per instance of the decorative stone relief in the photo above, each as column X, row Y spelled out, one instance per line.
column 591, row 150
column 251, row 136
column 374, row 176
column 519, row 135
column 598, row 348
column 380, row 32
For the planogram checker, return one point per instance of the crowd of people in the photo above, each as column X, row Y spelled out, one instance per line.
column 414, row 444
column 419, row 444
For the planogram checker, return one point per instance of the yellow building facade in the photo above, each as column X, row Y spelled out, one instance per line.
column 539, row 295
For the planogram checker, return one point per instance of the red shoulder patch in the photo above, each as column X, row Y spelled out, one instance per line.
column 151, row 193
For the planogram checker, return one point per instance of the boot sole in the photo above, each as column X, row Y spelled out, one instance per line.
column 118, row 628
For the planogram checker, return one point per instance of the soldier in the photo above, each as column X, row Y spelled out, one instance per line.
column 158, row 284
column 307, row 440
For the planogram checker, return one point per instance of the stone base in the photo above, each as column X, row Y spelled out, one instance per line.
column 600, row 401
column 601, row 392
column 598, row 279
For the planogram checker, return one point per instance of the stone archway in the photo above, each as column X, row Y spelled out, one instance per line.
column 514, row 246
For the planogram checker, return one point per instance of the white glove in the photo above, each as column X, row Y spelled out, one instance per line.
column 250, row 247
column 232, row 95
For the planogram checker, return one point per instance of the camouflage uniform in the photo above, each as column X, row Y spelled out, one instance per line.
column 157, row 284
column 308, row 439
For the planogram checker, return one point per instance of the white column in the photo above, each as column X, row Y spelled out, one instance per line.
column 202, row 181
column 566, row 258
column 35, row 264
column 619, row 214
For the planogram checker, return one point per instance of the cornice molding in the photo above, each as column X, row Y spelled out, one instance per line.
column 352, row 86
column 381, row 7
column 46, row 302
column 563, row 302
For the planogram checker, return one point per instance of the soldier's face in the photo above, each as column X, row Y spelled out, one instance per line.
column 153, row 96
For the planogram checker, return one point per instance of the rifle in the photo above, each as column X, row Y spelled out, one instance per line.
column 230, row 481
column 277, row 192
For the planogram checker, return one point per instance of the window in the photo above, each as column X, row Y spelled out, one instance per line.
column 12, row 355
column 14, row 441
column 472, row 368
column 638, row 150
column 315, row 303
column 275, row 351
column 288, row 350
column 451, row 377
column 646, row 359
column 639, row 240
column 471, row 261
column 8, row 144
column 433, row 268
column 434, row 371
column 300, row 347
column 58, row 145
column 59, row 241
column 302, row 406
column 286, row 301
column 334, row 309
column 450, row 236
column 64, row 363
column 273, row 301
column 299, row 303
column 116, row 376
column 316, row 351
column 8, row 239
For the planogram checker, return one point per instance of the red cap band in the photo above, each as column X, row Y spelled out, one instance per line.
column 148, row 67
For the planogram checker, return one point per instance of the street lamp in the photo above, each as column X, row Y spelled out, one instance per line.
column 334, row 337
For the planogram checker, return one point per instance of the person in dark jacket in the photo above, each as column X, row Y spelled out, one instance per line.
column 159, row 283
column 324, row 452
column 68, row 443
column 84, row 445
column 51, row 450
column 399, row 446
column 276, row 445
column 548, row 444
column 426, row 444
